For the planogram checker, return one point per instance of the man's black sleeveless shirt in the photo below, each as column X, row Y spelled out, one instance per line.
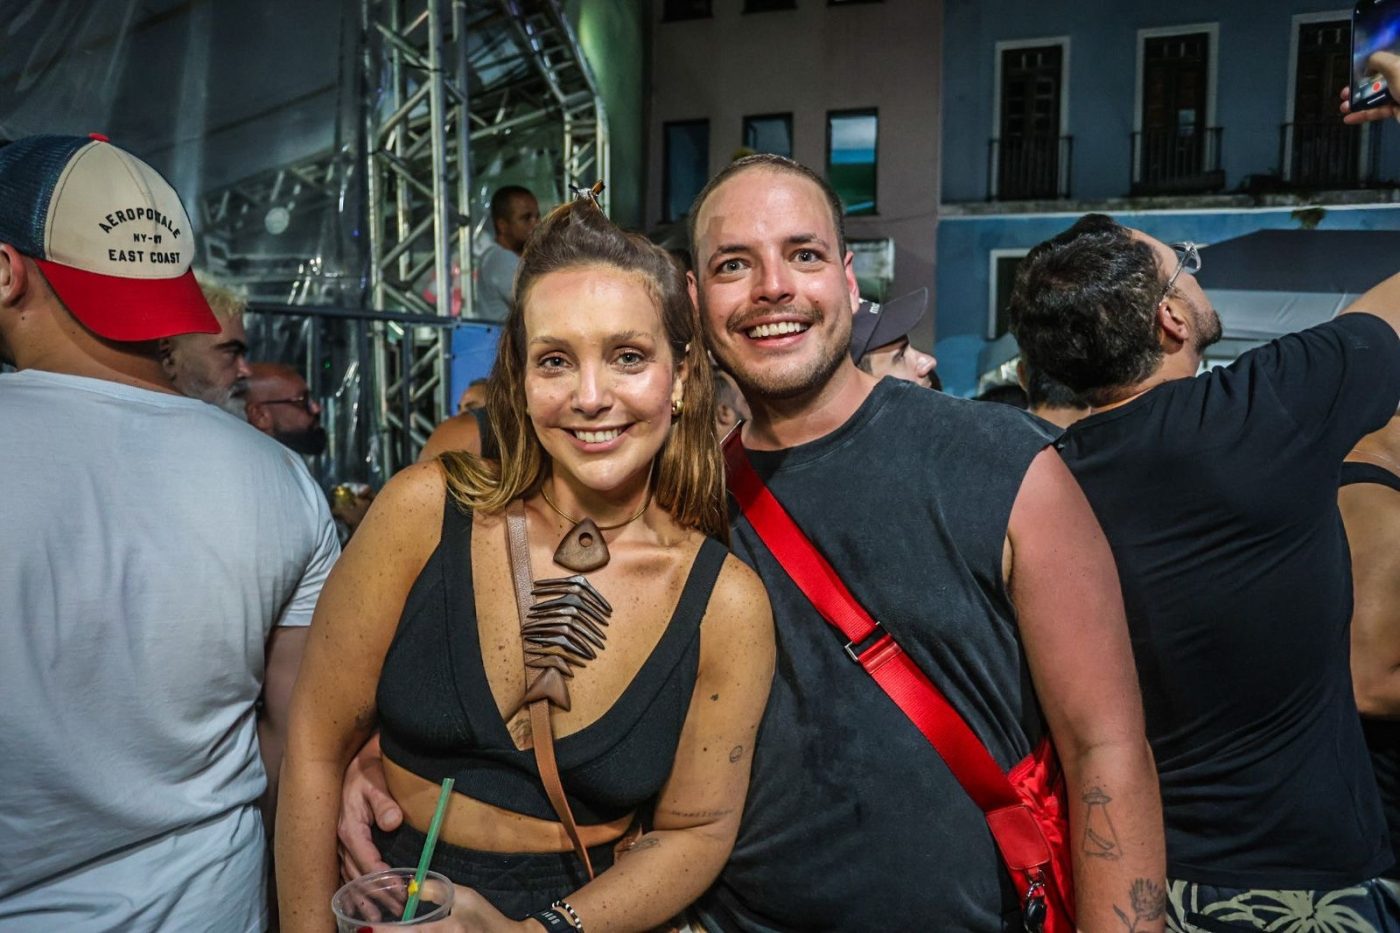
column 439, row 719
column 853, row 822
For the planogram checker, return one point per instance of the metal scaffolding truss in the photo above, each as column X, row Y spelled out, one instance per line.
column 551, row 81
column 416, row 125
column 449, row 73
column 439, row 79
column 240, row 220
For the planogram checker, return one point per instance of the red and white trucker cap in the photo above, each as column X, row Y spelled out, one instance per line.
column 109, row 233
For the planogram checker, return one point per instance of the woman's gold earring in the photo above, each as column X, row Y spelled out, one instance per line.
column 677, row 406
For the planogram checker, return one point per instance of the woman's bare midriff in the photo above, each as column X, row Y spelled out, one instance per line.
column 473, row 824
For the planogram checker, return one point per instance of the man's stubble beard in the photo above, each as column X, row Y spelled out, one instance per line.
column 1209, row 329
column 786, row 385
column 235, row 402
column 232, row 399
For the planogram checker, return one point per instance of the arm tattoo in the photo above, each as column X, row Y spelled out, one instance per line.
column 1100, row 838
column 646, row 842
column 700, row 814
column 736, row 753
column 1149, row 903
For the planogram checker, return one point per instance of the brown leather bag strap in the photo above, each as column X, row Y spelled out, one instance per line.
column 541, row 729
column 543, row 733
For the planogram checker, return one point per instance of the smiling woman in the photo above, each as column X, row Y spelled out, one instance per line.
column 532, row 627
column 582, row 279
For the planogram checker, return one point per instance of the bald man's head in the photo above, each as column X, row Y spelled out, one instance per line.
column 280, row 405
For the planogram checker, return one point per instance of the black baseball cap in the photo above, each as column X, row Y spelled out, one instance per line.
column 876, row 325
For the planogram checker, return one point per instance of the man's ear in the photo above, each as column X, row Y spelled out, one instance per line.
column 14, row 276
column 693, row 287
column 851, row 284
column 166, row 350
column 1175, row 328
column 259, row 417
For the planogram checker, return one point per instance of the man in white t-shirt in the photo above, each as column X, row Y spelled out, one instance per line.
column 161, row 560
column 514, row 213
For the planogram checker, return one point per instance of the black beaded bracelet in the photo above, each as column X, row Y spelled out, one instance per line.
column 568, row 908
column 553, row 920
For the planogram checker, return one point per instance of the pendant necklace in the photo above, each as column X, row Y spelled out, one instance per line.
column 564, row 629
column 583, row 548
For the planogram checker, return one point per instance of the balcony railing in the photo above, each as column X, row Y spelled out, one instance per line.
column 1021, row 168
column 1329, row 154
column 1181, row 160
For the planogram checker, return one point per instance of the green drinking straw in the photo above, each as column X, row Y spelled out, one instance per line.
column 429, row 844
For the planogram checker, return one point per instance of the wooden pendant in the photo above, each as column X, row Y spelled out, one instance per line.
column 562, row 631
column 583, row 548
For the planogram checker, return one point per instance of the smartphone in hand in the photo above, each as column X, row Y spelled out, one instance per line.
column 1375, row 27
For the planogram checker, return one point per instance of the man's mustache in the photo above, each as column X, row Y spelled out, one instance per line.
column 752, row 317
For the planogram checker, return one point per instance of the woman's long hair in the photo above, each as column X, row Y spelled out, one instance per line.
column 690, row 475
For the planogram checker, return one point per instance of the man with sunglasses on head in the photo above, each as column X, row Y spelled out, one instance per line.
column 1217, row 491
column 281, row 406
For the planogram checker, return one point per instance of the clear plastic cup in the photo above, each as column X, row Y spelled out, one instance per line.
column 376, row 901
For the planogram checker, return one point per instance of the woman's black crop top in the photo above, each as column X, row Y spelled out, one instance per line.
column 439, row 719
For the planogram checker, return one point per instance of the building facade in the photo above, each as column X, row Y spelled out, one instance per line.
column 1196, row 120
column 847, row 87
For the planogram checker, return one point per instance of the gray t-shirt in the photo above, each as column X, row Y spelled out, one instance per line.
column 853, row 822
column 495, row 283
column 149, row 543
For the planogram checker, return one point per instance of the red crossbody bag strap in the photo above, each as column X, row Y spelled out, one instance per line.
column 1022, row 845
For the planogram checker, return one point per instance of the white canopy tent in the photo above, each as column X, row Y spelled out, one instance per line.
column 1274, row 282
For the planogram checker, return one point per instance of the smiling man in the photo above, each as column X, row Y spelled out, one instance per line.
column 1008, row 602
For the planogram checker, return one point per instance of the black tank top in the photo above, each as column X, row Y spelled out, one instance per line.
column 1382, row 735
column 1354, row 471
column 439, row 719
column 489, row 449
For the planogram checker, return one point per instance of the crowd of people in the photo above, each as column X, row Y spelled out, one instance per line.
column 1126, row 662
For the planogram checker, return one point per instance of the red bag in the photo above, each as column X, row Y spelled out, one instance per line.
column 1027, row 809
column 1039, row 782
